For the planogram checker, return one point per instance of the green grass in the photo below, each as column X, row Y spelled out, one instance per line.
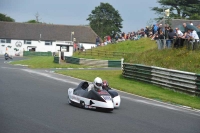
column 144, row 51
column 45, row 62
column 116, row 80
column 178, row 59
column 139, row 46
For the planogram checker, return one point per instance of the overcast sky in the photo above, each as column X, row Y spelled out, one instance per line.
column 135, row 13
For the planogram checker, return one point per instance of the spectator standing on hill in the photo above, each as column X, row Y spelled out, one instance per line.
column 168, row 42
column 171, row 36
column 108, row 39
column 75, row 47
column 161, row 39
column 147, row 31
column 159, row 29
column 122, row 35
column 97, row 41
column 154, row 29
column 179, row 35
column 185, row 29
column 193, row 37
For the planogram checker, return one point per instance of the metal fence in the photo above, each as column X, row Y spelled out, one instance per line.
column 101, row 53
column 178, row 43
column 177, row 80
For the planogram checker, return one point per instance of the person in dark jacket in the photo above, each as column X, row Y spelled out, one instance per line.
column 6, row 55
column 171, row 37
column 161, row 37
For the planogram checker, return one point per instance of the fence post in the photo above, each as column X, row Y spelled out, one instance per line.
column 122, row 62
column 188, row 44
column 195, row 44
column 59, row 55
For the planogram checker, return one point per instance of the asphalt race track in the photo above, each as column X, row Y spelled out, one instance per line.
column 35, row 101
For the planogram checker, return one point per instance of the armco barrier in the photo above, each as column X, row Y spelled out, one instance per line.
column 32, row 53
column 93, row 62
column 178, row 80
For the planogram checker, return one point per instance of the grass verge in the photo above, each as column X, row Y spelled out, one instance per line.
column 116, row 80
column 46, row 62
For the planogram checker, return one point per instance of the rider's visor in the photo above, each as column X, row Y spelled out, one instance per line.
column 99, row 84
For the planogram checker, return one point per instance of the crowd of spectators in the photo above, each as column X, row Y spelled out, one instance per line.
column 164, row 36
column 119, row 37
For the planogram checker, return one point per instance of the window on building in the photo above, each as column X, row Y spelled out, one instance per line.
column 27, row 41
column 65, row 48
column 48, row 43
column 5, row 40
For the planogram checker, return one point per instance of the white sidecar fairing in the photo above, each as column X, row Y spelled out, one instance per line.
column 115, row 96
column 101, row 100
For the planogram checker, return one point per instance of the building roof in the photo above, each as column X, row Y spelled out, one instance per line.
column 177, row 22
column 51, row 32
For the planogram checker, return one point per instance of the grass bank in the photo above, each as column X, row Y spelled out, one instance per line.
column 116, row 80
column 138, row 46
column 144, row 51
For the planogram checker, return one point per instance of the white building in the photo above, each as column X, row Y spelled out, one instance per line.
column 18, row 37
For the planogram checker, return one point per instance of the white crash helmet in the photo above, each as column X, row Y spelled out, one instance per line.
column 98, row 83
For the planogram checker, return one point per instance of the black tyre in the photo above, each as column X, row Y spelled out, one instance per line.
column 82, row 104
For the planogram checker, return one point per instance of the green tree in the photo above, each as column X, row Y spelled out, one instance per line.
column 195, row 17
column 105, row 20
column 36, row 19
column 179, row 9
column 3, row 17
column 32, row 21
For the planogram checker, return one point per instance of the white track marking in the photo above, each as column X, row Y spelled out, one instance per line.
column 163, row 105
column 49, row 76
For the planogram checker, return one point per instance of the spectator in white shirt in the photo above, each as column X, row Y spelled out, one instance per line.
column 178, row 32
column 179, row 40
column 193, row 35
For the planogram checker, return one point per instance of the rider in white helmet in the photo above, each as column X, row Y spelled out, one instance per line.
column 96, row 85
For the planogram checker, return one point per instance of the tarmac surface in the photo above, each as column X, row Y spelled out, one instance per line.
column 35, row 101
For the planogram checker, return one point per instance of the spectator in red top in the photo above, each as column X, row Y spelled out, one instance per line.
column 108, row 39
column 75, row 47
